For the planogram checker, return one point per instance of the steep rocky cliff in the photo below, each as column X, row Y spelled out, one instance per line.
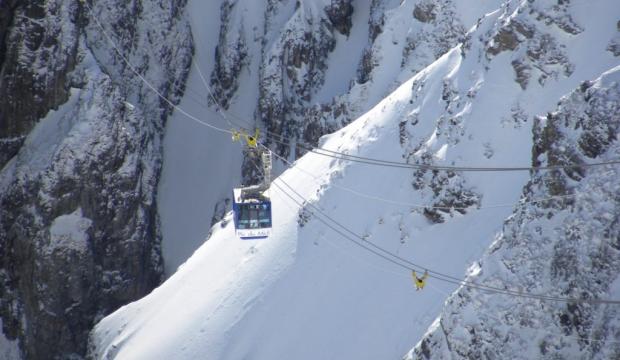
column 36, row 54
column 81, row 136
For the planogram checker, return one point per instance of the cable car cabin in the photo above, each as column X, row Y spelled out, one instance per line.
column 252, row 214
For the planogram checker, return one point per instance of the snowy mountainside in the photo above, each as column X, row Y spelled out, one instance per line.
column 563, row 248
column 568, row 248
column 79, row 232
column 299, row 69
column 323, row 63
column 308, row 293
column 82, row 143
column 276, row 297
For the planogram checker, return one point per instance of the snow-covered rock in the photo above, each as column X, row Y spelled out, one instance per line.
column 38, row 44
column 322, row 64
column 79, row 231
column 563, row 248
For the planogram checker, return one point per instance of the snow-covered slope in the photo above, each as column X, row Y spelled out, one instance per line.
column 307, row 292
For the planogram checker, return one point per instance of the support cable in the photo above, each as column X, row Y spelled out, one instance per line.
column 406, row 264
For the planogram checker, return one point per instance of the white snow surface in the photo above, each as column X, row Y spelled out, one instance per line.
column 9, row 349
column 69, row 232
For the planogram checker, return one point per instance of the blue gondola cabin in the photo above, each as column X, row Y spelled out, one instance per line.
column 252, row 214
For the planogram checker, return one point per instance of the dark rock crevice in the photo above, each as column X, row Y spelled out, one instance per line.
column 33, row 73
column 339, row 14
column 79, row 230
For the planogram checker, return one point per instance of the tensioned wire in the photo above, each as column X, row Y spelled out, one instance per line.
column 404, row 203
column 446, row 295
column 280, row 139
column 408, row 265
column 219, row 110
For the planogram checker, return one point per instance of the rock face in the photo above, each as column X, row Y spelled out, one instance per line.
column 339, row 13
column 80, row 146
column 231, row 56
column 36, row 54
column 291, row 71
column 539, row 54
column 79, row 233
column 564, row 247
column 296, row 42
column 614, row 43
column 287, row 58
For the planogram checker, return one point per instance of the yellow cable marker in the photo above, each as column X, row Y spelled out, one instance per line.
column 252, row 140
column 235, row 135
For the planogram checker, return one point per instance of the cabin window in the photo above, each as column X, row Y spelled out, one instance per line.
column 254, row 216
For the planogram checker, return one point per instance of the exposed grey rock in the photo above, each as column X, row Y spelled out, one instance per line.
column 339, row 14
column 290, row 71
column 295, row 44
column 535, row 53
column 614, row 47
column 36, row 54
column 614, row 43
column 523, row 72
column 424, row 11
column 505, row 40
column 323, row 119
column 79, row 232
column 376, row 22
column 7, row 9
column 367, row 63
column 441, row 31
column 221, row 208
column 377, row 19
column 450, row 192
column 559, row 15
column 447, row 192
column 230, row 55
